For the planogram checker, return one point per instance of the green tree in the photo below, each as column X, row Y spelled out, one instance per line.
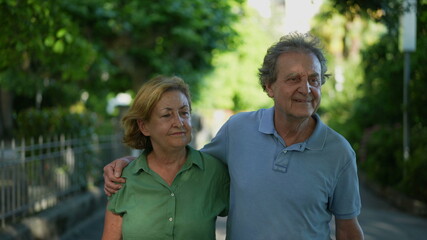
column 40, row 47
column 53, row 52
column 384, row 11
column 234, row 83
column 343, row 44
column 373, row 120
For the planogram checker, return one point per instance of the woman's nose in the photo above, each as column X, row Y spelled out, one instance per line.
column 178, row 120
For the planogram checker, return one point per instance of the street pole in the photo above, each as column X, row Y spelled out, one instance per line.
column 406, row 78
column 408, row 36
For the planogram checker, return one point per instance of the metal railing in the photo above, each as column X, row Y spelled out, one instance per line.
column 38, row 174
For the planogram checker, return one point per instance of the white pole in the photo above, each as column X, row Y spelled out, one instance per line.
column 406, row 78
column 408, row 33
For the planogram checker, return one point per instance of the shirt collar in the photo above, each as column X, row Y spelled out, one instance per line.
column 315, row 142
column 194, row 158
column 318, row 138
column 266, row 124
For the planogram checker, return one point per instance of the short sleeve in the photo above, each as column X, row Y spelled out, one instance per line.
column 116, row 201
column 218, row 145
column 346, row 202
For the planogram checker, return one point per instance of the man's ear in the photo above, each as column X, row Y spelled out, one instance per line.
column 269, row 90
column 142, row 125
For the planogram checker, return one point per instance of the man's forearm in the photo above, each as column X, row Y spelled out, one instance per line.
column 348, row 229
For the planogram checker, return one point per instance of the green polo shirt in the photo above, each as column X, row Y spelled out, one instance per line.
column 185, row 210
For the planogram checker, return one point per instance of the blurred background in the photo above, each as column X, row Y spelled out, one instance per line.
column 70, row 68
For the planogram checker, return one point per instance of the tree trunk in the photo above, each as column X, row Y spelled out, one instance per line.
column 6, row 121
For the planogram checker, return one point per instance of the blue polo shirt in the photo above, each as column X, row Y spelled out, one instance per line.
column 285, row 192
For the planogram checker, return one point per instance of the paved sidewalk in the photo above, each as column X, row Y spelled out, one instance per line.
column 379, row 221
column 90, row 229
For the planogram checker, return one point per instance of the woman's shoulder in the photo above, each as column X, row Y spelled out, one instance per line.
column 134, row 166
column 208, row 157
column 208, row 160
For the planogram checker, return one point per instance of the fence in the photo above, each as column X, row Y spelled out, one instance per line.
column 36, row 175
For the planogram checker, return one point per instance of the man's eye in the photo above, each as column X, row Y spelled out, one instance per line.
column 166, row 115
column 314, row 82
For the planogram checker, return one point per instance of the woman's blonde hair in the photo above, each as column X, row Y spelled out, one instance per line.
column 142, row 107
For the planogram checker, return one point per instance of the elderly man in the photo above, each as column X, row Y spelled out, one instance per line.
column 290, row 173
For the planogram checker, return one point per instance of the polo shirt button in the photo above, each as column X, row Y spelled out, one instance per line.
column 172, row 194
column 285, row 151
column 170, row 219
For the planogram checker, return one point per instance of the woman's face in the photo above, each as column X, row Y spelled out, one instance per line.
column 169, row 126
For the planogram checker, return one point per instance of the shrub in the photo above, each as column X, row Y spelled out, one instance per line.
column 383, row 162
column 414, row 179
column 53, row 122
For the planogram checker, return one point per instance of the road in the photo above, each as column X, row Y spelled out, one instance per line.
column 379, row 220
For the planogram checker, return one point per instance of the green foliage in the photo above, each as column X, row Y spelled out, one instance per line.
column 374, row 116
column 418, row 83
column 101, row 44
column 53, row 51
column 53, row 122
column 145, row 38
column 39, row 45
column 414, row 178
column 385, row 11
column 382, row 88
column 234, row 84
column 382, row 150
column 343, row 44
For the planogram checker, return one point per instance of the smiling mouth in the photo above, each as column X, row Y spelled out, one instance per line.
column 178, row 133
column 303, row 101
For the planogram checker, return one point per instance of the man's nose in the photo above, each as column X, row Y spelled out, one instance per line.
column 305, row 86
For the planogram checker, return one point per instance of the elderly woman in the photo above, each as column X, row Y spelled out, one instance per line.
column 172, row 191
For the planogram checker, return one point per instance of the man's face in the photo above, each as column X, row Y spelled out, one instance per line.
column 297, row 89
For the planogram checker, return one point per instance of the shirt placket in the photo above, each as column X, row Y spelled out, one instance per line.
column 172, row 202
column 171, row 211
column 281, row 163
column 170, row 215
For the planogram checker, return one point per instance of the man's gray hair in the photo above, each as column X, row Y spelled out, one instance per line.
column 293, row 42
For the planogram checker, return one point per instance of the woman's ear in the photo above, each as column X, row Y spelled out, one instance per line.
column 142, row 125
